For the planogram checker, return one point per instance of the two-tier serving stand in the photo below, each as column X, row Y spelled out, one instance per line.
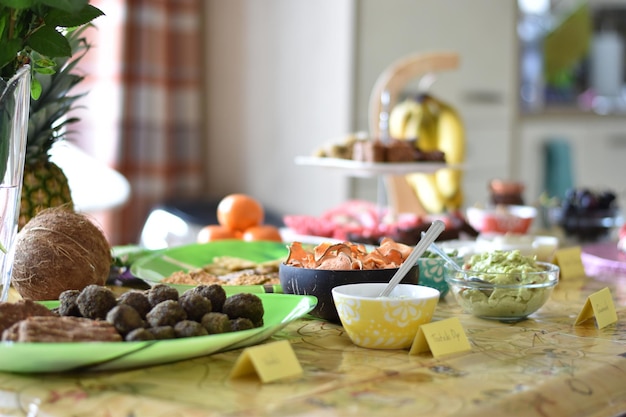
column 393, row 187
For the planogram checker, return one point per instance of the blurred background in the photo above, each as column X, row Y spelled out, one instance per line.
column 190, row 100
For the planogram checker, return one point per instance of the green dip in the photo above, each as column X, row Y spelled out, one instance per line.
column 504, row 268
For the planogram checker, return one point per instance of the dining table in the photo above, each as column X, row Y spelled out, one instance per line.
column 545, row 365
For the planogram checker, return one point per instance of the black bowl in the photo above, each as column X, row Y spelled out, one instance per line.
column 319, row 282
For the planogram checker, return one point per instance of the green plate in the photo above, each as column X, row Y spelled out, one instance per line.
column 280, row 309
column 155, row 267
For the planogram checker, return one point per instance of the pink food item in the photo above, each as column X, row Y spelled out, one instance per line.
column 621, row 241
column 353, row 218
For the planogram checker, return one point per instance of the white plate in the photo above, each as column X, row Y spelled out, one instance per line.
column 372, row 169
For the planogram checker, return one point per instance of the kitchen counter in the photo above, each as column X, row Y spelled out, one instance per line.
column 543, row 366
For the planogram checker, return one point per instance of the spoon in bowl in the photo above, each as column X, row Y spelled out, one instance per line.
column 433, row 247
column 427, row 238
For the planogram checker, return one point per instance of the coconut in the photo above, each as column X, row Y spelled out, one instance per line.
column 59, row 250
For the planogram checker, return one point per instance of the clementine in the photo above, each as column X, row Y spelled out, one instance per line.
column 238, row 212
column 213, row 232
column 262, row 232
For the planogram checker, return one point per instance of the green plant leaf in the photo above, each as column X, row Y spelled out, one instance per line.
column 4, row 18
column 35, row 88
column 43, row 61
column 47, row 41
column 17, row 4
column 9, row 51
column 57, row 17
column 67, row 5
column 44, row 70
column 2, row 248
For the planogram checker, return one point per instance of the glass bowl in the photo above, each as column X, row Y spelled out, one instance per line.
column 594, row 226
column 504, row 296
column 501, row 218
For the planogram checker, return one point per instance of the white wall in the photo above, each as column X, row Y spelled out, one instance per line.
column 483, row 88
column 286, row 76
column 279, row 85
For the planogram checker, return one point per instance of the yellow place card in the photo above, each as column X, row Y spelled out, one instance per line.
column 570, row 262
column 599, row 304
column 270, row 362
column 441, row 337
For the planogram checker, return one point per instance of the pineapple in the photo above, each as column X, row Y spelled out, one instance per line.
column 47, row 35
column 45, row 185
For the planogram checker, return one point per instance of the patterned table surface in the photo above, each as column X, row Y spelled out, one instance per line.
column 544, row 366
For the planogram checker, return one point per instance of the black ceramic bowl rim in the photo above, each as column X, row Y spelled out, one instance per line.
column 343, row 271
column 550, row 269
column 325, row 307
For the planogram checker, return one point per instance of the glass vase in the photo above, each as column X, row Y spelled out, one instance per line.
column 14, row 106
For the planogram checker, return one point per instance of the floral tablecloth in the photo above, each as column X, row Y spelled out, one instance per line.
column 543, row 366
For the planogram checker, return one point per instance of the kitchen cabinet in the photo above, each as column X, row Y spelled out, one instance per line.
column 501, row 141
column 597, row 145
column 287, row 77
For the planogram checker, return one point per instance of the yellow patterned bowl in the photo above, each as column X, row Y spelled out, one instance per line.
column 384, row 322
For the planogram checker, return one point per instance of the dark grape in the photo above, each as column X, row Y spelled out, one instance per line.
column 606, row 200
column 588, row 202
column 583, row 211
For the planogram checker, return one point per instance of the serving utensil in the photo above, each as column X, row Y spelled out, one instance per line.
column 427, row 238
column 434, row 248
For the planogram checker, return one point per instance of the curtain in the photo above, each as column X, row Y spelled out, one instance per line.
column 160, row 151
column 143, row 109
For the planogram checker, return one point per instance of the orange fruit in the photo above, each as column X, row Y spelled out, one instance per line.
column 239, row 212
column 214, row 232
column 262, row 232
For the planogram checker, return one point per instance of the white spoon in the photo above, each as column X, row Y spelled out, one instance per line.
column 429, row 237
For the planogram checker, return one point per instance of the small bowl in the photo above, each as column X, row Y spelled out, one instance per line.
column 431, row 273
column 542, row 247
column 596, row 226
column 392, row 322
column 504, row 302
column 501, row 218
column 320, row 282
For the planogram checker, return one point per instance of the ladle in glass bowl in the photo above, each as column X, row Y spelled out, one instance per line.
column 434, row 248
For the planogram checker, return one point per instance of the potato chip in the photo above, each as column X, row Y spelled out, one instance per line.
column 298, row 256
column 348, row 255
column 339, row 261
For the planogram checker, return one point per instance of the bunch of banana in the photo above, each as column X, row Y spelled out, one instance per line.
column 434, row 125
